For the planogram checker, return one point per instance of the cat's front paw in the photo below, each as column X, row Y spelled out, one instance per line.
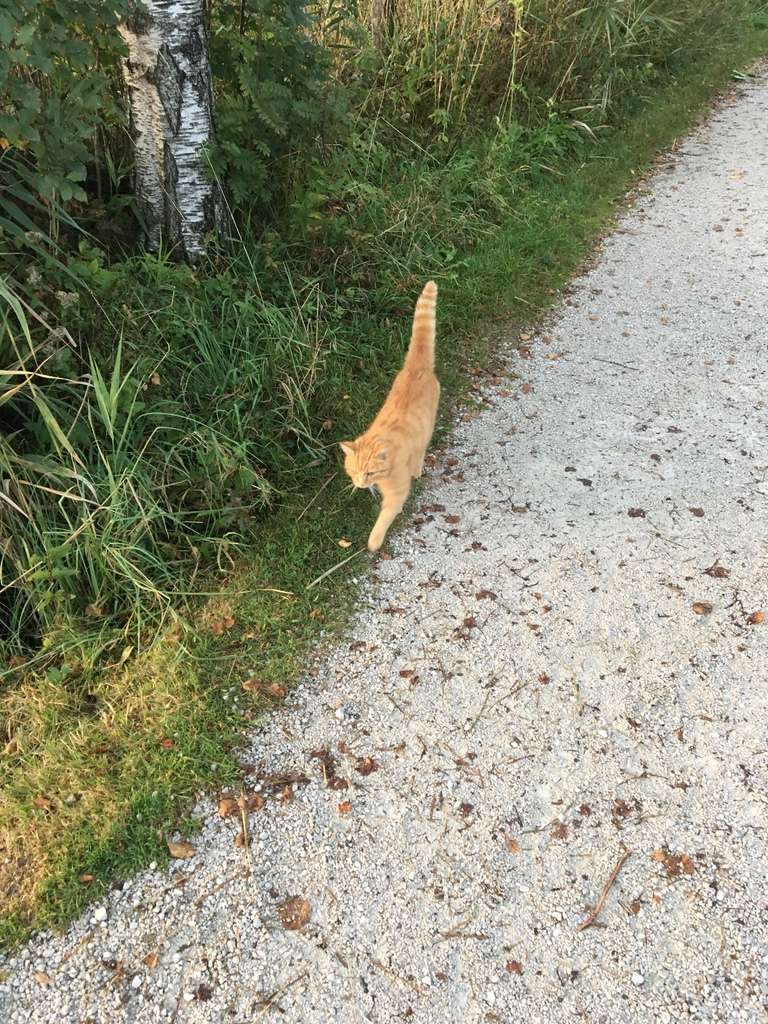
column 375, row 541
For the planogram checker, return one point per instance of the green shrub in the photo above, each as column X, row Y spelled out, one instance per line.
column 57, row 63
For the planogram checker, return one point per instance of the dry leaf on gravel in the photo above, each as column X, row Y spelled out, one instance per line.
column 514, row 967
column 702, row 607
column 151, row 960
column 42, row 978
column 228, row 806
column 276, row 690
column 559, row 830
column 718, row 572
column 344, row 807
column 181, row 850
column 366, row 765
column 675, row 864
column 636, row 513
column 756, row 618
column 695, row 511
column 511, row 844
column 294, row 913
column 254, row 802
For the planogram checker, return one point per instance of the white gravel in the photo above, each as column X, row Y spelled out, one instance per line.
column 536, row 688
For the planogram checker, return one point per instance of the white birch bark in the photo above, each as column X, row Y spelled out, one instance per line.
column 169, row 87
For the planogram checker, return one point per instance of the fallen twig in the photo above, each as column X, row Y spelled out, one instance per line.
column 266, row 1003
column 590, row 919
column 317, row 495
column 242, row 804
column 333, row 568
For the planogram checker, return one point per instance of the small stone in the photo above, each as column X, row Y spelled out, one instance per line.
column 189, row 997
column 136, row 981
column 100, row 914
column 153, row 865
column 637, row 979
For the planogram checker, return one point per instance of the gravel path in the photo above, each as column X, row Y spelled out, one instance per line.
column 556, row 666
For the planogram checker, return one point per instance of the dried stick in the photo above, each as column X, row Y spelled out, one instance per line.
column 590, row 919
column 334, row 568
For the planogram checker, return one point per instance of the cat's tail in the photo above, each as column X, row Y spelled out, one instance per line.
column 421, row 351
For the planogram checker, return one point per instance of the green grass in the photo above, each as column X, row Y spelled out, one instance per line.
column 102, row 758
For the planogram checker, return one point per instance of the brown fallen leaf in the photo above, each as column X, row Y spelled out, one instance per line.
column 559, row 830
column 181, row 850
column 294, row 913
column 86, row 879
column 486, row 595
column 276, row 690
column 452, row 520
column 42, row 978
column 702, row 607
column 514, row 967
column 167, row 744
column 344, row 543
column 255, row 802
column 155, row 378
column 635, row 907
column 511, row 844
column 44, row 803
column 675, row 864
column 718, row 572
column 755, row 618
column 544, row 678
column 636, row 513
column 621, row 809
column 151, row 960
column 366, row 765
column 695, row 511
column 527, row 388
column 228, row 806
column 407, row 673
column 344, row 807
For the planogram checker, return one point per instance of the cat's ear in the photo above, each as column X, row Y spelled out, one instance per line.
column 347, row 447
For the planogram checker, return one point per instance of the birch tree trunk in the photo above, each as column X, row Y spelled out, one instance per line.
column 169, row 87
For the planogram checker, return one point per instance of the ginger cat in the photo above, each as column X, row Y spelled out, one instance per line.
column 391, row 451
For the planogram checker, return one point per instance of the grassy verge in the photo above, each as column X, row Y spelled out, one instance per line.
column 98, row 766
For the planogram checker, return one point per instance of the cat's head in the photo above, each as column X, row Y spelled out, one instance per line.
column 365, row 461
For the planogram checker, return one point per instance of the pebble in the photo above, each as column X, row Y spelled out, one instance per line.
column 100, row 914
column 637, row 979
column 136, row 981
